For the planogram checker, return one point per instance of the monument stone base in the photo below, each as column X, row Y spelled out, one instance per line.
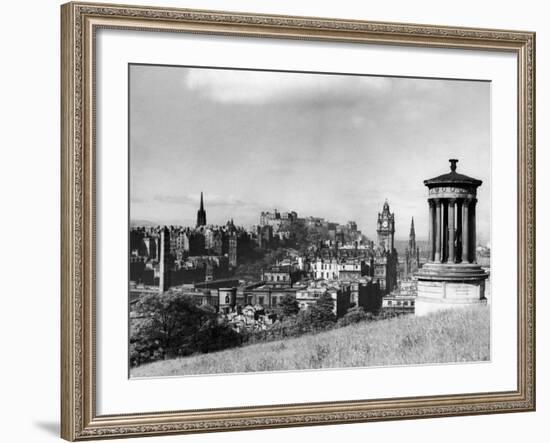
column 448, row 286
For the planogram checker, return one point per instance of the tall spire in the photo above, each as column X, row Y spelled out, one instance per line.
column 386, row 208
column 201, row 214
column 412, row 237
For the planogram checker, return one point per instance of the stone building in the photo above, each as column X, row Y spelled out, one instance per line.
column 369, row 296
column 277, row 219
column 340, row 294
column 355, row 250
column 267, row 296
column 196, row 242
column 340, row 269
column 402, row 300
column 399, row 304
column 149, row 247
column 227, row 299
column 264, row 236
column 283, row 276
column 232, row 252
column 325, row 269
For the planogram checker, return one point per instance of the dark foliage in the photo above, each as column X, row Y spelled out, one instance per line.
column 289, row 305
column 321, row 315
column 355, row 314
column 251, row 266
column 170, row 325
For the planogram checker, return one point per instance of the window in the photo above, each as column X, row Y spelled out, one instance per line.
column 227, row 299
column 389, row 303
column 261, row 300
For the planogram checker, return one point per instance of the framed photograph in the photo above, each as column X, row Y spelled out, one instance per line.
column 277, row 221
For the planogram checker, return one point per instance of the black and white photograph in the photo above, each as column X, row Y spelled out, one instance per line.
column 285, row 220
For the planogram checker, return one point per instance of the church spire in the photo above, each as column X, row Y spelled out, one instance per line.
column 201, row 214
column 412, row 237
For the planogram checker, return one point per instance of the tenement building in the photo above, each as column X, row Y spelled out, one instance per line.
column 451, row 278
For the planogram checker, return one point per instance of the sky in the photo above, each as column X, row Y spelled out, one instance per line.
column 327, row 145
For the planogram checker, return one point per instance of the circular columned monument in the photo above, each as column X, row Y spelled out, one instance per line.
column 451, row 277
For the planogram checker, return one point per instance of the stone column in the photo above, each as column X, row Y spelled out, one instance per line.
column 444, row 228
column 473, row 254
column 465, row 231
column 431, row 221
column 437, row 255
column 451, row 218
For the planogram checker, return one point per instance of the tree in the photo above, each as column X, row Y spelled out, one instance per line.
column 355, row 314
column 214, row 336
column 325, row 304
column 289, row 305
column 320, row 315
column 171, row 324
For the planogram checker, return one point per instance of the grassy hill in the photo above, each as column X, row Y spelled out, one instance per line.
column 460, row 335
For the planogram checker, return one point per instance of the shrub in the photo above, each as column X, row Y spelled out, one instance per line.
column 321, row 315
column 355, row 315
column 213, row 336
column 289, row 305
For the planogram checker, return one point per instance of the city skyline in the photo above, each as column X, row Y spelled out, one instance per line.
column 192, row 225
column 330, row 146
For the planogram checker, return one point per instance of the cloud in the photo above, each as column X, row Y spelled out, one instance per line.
column 328, row 145
column 176, row 199
column 258, row 87
column 210, row 200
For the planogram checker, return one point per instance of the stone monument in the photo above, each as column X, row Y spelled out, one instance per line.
column 451, row 278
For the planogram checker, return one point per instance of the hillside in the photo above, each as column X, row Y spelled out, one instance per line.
column 461, row 335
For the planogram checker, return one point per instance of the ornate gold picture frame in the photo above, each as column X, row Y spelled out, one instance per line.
column 80, row 22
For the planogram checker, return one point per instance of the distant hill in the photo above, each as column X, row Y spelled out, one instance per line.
column 145, row 223
column 401, row 245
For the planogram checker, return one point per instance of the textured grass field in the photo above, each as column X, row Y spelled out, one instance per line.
column 460, row 335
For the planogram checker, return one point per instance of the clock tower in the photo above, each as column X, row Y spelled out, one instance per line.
column 385, row 264
column 385, row 228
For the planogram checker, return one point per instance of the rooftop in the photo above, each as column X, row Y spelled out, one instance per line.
column 452, row 178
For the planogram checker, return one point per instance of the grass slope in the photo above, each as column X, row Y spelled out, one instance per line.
column 460, row 335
